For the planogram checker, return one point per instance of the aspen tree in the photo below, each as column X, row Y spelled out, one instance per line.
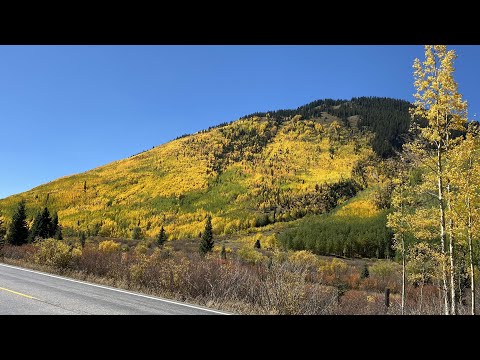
column 438, row 101
column 466, row 212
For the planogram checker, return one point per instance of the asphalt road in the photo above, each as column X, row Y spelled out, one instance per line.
column 24, row 291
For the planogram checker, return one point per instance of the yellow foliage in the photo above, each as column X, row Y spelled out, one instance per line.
column 334, row 267
column 358, row 207
column 175, row 185
column 304, row 257
column 109, row 246
column 54, row 253
column 250, row 255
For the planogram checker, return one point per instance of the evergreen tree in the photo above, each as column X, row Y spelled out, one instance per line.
column 83, row 239
column 55, row 225
column 58, row 233
column 365, row 273
column 161, row 237
column 35, row 228
column 206, row 242
column 223, row 253
column 18, row 231
column 137, row 233
column 3, row 232
column 45, row 226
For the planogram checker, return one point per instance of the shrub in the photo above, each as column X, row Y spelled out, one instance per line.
column 304, row 257
column 55, row 253
column 383, row 269
column 109, row 246
column 250, row 256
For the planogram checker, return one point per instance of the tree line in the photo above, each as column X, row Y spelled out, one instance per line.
column 44, row 226
column 387, row 118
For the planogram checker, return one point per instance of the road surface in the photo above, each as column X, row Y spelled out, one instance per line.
column 24, row 291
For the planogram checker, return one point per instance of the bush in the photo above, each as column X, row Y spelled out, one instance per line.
column 55, row 253
column 250, row 256
column 383, row 269
column 304, row 257
column 109, row 246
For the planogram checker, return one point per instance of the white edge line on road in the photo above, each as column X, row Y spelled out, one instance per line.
column 115, row 289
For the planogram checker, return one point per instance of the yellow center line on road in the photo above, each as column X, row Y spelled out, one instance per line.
column 18, row 293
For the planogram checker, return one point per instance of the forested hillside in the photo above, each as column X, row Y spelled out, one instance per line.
column 264, row 168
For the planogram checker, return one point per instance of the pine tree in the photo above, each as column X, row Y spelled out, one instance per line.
column 3, row 232
column 223, row 253
column 206, row 242
column 42, row 226
column 137, row 233
column 56, row 232
column 55, row 225
column 365, row 273
column 83, row 239
column 161, row 237
column 35, row 228
column 18, row 230
column 45, row 226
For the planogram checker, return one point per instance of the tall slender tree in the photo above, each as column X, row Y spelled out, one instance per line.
column 466, row 212
column 438, row 102
column 18, row 230
column 206, row 242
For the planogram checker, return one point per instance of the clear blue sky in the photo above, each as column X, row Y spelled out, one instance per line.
column 67, row 109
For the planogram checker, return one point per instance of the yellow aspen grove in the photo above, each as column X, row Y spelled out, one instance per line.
column 438, row 101
column 466, row 212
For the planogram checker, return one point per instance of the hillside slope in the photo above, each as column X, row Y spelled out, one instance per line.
column 262, row 168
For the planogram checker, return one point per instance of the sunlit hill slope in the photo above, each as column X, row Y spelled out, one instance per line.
column 263, row 168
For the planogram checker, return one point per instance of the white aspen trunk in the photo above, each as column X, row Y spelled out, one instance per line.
column 453, row 301
column 470, row 252
column 451, row 243
column 442, row 229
